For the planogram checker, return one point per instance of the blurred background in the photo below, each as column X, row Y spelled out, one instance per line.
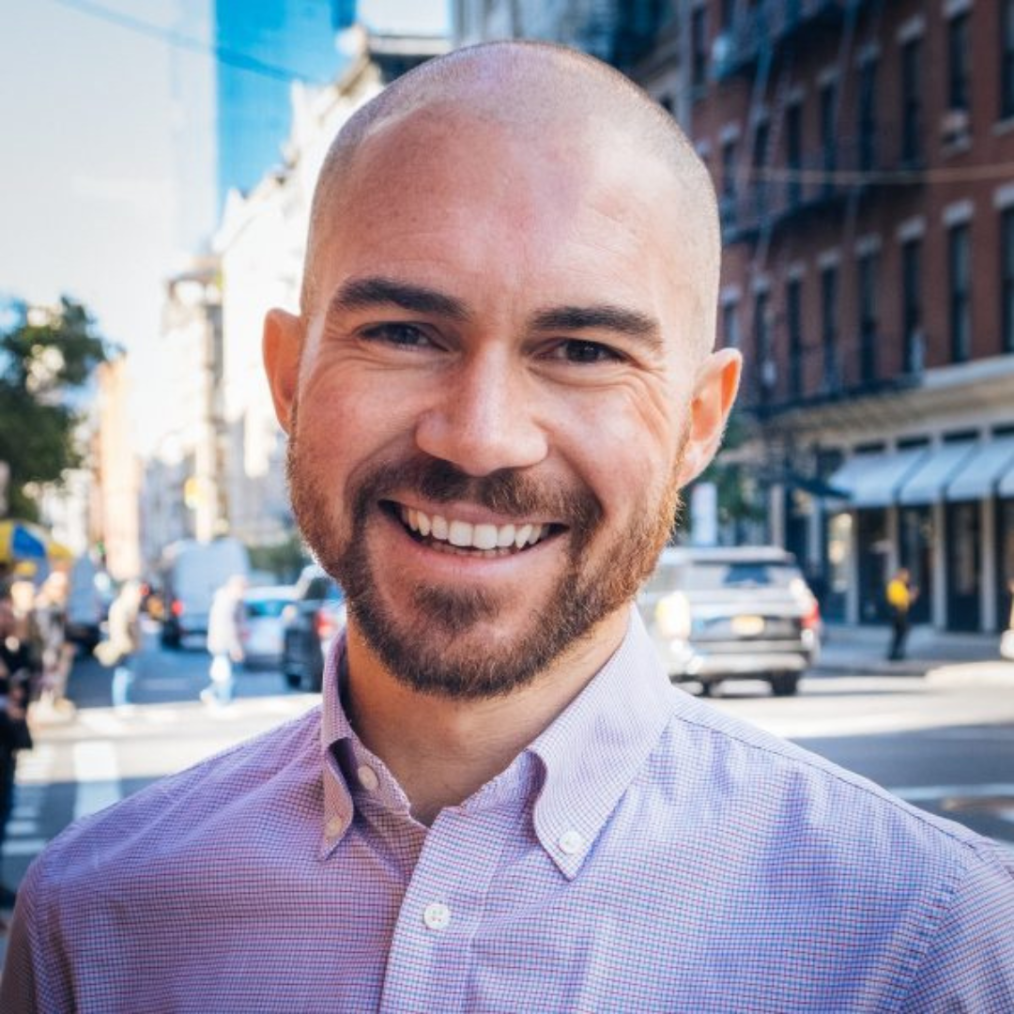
column 159, row 161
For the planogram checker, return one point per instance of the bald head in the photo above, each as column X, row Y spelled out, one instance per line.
column 535, row 91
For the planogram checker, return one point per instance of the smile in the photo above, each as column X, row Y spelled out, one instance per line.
column 453, row 533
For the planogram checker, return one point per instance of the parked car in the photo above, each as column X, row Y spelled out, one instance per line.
column 261, row 629
column 311, row 623
column 89, row 594
column 190, row 573
column 732, row 613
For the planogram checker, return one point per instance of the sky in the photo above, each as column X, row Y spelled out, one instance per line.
column 105, row 179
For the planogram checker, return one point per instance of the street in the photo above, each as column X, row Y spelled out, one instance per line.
column 944, row 747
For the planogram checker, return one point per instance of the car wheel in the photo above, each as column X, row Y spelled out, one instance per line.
column 785, row 684
column 293, row 680
column 708, row 688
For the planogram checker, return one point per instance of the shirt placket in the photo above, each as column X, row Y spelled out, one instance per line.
column 430, row 959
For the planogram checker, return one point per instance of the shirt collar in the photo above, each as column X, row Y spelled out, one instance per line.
column 589, row 755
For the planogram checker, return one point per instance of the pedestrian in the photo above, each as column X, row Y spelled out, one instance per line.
column 224, row 642
column 1007, row 637
column 900, row 596
column 123, row 642
column 18, row 669
column 504, row 370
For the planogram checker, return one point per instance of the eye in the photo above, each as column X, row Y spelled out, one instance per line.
column 583, row 352
column 397, row 333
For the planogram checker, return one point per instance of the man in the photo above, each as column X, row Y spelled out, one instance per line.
column 900, row 596
column 224, row 640
column 499, row 379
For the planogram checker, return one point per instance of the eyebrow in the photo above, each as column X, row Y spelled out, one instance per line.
column 367, row 293
column 599, row 317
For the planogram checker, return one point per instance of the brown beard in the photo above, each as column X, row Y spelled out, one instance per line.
column 431, row 652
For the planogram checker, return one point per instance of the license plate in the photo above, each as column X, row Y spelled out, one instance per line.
column 748, row 626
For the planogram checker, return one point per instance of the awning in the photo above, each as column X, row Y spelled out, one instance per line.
column 873, row 480
column 978, row 476
column 928, row 482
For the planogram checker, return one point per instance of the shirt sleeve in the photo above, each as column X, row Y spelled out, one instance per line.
column 969, row 961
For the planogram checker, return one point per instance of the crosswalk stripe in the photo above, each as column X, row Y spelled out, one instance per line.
column 97, row 774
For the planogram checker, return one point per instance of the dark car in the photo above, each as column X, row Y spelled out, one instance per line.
column 312, row 621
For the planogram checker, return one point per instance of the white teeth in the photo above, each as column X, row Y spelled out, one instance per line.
column 484, row 537
column 465, row 535
column 460, row 534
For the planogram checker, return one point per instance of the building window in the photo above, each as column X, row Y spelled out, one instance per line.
column 729, row 169
column 762, row 347
column 959, row 59
column 959, row 270
column 730, row 324
column 867, row 302
column 868, row 116
column 1007, row 59
column 728, row 14
column 1007, row 279
column 794, row 153
column 760, row 155
column 911, row 102
column 911, row 305
column 794, row 322
column 699, row 48
column 829, row 133
column 829, row 327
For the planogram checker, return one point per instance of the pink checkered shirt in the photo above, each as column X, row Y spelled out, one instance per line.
column 645, row 853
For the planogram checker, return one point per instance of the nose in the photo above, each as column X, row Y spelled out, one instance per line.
column 484, row 418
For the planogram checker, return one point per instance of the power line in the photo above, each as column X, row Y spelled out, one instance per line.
column 230, row 57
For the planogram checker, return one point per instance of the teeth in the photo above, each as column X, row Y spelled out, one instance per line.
column 465, row 535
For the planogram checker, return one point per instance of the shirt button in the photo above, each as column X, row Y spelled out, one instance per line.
column 437, row 916
column 368, row 778
column 334, row 827
column 571, row 842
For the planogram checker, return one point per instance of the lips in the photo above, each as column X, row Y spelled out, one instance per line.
column 464, row 535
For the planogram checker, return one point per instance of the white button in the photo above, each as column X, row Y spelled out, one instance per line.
column 571, row 842
column 335, row 826
column 437, row 916
column 368, row 778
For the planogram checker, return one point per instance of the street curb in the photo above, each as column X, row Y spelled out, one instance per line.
column 977, row 674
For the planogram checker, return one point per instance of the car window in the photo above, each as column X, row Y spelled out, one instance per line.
column 323, row 588
column 265, row 608
column 748, row 574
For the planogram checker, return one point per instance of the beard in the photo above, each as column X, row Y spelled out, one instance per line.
column 442, row 644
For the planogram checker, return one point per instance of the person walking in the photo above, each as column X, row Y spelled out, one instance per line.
column 900, row 596
column 123, row 642
column 224, row 641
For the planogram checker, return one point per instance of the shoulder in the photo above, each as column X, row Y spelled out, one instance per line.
column 225, row 798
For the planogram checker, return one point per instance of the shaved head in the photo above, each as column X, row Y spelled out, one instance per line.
column 536, row 91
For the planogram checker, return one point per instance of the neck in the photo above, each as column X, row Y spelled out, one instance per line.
column 442, row 750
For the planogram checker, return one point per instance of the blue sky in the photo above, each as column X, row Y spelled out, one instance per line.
column 104, row 187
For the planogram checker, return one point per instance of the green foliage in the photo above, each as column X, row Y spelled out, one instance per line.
column 735, row 483
column 283, row 559
column 45, row 356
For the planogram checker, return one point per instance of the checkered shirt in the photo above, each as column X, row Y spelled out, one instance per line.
column 645, row 853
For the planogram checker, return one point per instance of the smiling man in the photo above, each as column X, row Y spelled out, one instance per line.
column 499, row 380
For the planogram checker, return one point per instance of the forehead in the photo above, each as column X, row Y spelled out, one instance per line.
column 550, row 204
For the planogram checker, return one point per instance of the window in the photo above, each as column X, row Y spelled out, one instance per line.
column 959, row 59
column 911, row 305
column 828, row 132
column 729, row 169
column 794, row 152
column 829, row 327
column 760, row 153
column 911, row 102
column 699, row 48
column 728, row 14
column 959, row 270
column 762, row 346
column 1006, row 59
column 794, row 315
column 867, row 302
column 1007, row 279
column 868, row 116
column 730, row 324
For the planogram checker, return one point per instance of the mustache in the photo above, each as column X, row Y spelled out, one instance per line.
column 508, row 492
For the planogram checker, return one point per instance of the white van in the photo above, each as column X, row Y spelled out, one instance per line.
column 190, row 574
column 89, row 593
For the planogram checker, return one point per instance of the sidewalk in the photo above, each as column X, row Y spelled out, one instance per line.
column 863, row 649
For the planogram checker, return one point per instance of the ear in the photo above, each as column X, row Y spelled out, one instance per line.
column 283, row 339
column 714, row 393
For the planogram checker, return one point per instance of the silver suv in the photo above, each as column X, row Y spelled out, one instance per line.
column 732, row 613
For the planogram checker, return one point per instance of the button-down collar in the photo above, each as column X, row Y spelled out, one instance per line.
column 623, row 711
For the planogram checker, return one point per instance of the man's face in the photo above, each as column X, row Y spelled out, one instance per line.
column 492, row 396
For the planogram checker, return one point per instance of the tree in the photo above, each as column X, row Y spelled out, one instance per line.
column 46, row 355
